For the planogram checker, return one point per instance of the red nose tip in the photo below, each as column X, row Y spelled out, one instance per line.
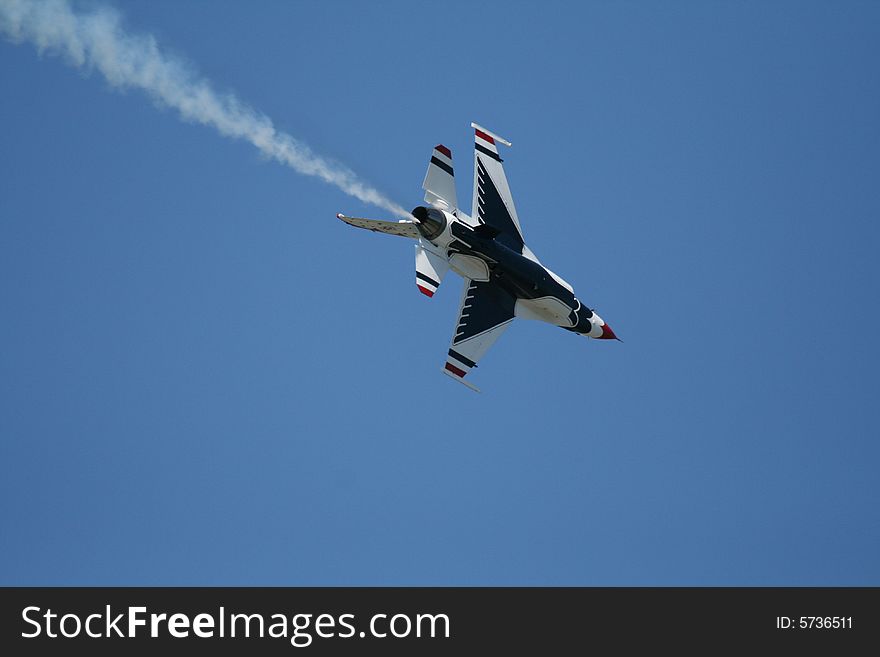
column 607, row 333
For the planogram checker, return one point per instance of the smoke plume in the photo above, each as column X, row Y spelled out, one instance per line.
column 97, row 41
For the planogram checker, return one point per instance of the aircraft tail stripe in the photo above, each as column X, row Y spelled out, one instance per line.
column 444, row 150
column 436, row 161
column 427, row 279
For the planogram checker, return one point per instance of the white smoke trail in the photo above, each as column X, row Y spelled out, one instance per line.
column 97, row 40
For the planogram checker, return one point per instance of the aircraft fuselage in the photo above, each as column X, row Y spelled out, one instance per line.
column 539, row 294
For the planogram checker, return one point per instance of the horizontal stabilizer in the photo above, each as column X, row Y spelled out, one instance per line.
column 402, row 228
column 430, row 270
column 439, row 184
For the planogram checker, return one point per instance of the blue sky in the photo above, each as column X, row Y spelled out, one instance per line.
column 205, row 378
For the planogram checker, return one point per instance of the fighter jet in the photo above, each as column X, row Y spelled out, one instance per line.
column 503, row 278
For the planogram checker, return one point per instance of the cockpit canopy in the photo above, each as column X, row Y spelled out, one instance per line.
column 432, row 222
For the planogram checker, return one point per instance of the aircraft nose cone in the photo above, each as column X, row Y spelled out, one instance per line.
column 607, row 333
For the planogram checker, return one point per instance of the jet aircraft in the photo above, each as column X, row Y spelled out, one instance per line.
column 503, row 278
